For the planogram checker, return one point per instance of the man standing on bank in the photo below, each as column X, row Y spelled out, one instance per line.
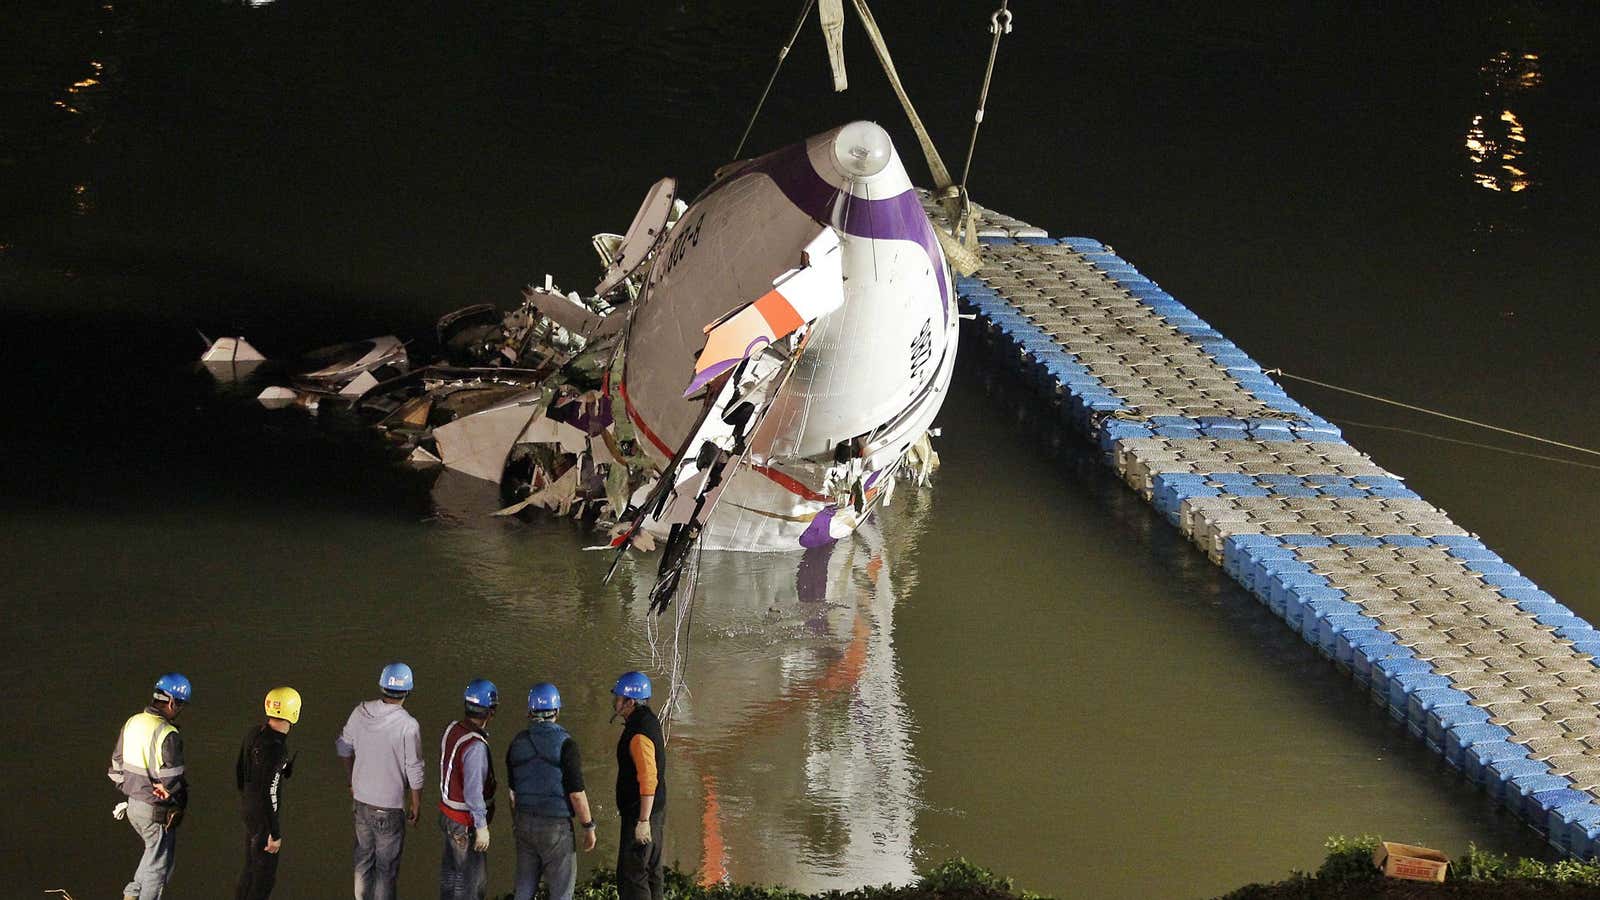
column 641, row 789
column 381, row 748
column 259, row 773
column 147, row 764
column 466, row 792
column 546, row 778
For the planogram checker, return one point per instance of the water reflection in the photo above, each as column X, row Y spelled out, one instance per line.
column 81, row 89
column 84, row 99
column 1496, row 140
column 790, row 741
column 794, row 728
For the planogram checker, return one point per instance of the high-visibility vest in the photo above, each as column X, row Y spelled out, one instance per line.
column 142, row 737
column 143, row 760
column 452, row 751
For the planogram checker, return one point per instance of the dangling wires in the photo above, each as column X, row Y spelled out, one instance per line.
column 999, row 24
column 683, row 625
column 782, row 55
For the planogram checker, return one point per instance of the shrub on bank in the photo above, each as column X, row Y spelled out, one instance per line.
column 1348, row 872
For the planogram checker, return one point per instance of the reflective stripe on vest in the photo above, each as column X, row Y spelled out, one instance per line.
column 452, row 747
column 142, row 740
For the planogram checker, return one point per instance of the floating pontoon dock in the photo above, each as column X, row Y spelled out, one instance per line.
column 1491, row 672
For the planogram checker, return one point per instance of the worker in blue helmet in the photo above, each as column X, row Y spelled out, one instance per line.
column 546, row 776
column 466, row 794
column 641, row 789
column 147, row 765
column 381, row 749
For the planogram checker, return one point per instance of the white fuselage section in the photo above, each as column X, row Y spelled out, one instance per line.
column 871, row 374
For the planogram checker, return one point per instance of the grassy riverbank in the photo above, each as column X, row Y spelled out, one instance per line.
column 955, row 879
column 1348, row 874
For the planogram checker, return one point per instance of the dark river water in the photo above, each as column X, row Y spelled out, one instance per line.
column 1021, row 664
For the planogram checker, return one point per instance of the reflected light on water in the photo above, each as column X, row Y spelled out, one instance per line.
column 90, row 81
column 79, row 87
column 82, row 199
column 1497, row 142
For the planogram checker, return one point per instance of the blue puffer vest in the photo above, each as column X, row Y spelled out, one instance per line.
column 534, row 761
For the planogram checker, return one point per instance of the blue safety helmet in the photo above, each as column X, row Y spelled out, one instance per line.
column 173, row 686
column 544, row 698
column 633, row 685
column 396, row 679
column 481, row 694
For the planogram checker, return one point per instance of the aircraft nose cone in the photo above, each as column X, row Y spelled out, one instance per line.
column 861, row 150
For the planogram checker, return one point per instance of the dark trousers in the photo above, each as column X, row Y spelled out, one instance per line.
column 639, row 865
column 260, row 867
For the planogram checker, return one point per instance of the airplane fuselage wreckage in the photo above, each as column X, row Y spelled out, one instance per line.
column 754, row 371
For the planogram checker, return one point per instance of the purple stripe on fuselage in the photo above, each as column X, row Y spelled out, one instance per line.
column 818, row 533
column 895, row 219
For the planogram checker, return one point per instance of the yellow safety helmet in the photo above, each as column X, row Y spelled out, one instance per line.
column 284, row 703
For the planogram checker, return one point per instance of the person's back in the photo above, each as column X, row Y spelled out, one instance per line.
column 386, row 744
column 546, row 777
column 381, row 748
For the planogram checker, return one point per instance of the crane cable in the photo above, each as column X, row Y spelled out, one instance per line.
column 999, row 25
column 782, row 55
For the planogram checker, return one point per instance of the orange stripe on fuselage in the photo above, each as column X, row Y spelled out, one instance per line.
column 779, row 313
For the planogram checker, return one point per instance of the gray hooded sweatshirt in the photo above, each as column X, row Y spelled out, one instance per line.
column 387, row 746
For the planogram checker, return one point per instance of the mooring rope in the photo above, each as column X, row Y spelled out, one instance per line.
column 1433, row 412
column 1474, row 444
column 782, row 55
column 942, row 181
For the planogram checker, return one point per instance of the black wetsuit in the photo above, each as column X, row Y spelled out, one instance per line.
column 262, row 767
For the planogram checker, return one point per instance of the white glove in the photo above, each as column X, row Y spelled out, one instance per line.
column 120, row 811
column 641, row 832
column 482, row 843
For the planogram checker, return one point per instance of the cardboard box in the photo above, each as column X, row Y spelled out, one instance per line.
column 1406, row 861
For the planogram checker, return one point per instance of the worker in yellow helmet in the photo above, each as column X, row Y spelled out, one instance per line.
column 264, row 763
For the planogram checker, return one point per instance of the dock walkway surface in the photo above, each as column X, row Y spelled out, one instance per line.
column 1490, row 671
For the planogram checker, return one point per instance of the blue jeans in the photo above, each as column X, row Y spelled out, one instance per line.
column 160, row 845
column 463, row 871
column 380, row 836
column 546, row 847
